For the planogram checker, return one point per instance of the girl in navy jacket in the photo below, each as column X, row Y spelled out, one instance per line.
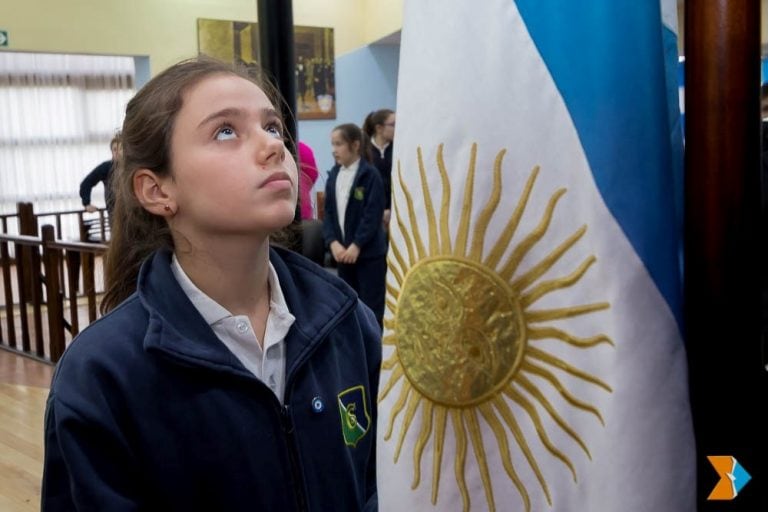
column 226, row 375
column 352, row 224
column 379, row 126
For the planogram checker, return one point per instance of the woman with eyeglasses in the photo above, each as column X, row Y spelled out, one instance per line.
column 380, row 128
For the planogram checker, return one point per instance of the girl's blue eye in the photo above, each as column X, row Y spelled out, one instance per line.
column 225, row 133
column 275, row 130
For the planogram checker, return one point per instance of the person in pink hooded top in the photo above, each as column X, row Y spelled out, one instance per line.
column 307, row 178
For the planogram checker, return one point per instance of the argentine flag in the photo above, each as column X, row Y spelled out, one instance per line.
column 533, row 357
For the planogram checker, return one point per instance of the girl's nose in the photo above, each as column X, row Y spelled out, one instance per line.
column 270, row 150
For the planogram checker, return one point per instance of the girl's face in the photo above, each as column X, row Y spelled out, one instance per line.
column 388, row 128
column 343, row 152
column 231, row 172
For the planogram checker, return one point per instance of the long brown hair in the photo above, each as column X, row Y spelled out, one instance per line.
column 146, row 138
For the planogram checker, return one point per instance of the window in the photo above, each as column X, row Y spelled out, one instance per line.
column 59, row 114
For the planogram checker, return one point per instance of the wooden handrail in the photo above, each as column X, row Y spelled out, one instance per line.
column 65, row 212
column 93, row 226
column 79, row 246
column 21, row 239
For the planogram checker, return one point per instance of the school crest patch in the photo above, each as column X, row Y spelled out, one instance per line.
column 355, row 420
column 359, row 193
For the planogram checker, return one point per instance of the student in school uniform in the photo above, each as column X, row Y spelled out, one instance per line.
column 227, row 374
column 379, row 126
column 352, row 225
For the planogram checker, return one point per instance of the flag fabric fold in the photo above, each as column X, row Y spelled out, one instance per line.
column 532, row 348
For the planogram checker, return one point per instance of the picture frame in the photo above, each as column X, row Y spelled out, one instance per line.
column 315, row 72
column 238, row 42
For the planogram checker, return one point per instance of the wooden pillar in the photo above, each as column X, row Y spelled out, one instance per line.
column 27, row 219
column 5, row 261
column 27, row 226
column 54, row 300
column 722, row 266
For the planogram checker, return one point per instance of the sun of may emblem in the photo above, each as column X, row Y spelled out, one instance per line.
column 464, row 331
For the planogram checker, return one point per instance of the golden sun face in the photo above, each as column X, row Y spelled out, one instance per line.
column 464, row 333
column 459, row 355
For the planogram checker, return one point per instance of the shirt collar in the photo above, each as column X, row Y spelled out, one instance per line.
column 381, row 149
column 213, row 312
column 353, row 167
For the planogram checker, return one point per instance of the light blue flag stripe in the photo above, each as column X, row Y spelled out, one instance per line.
column 671, row 66
column 607, row 60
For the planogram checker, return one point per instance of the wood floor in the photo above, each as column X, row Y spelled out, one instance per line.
column 24, row 387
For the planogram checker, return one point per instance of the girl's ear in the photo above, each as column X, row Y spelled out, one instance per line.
column 355, row 146
column 148, row 188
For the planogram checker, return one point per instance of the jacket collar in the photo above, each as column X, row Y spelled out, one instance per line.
column 363, row 168
column 176, row 328
column 353, row 167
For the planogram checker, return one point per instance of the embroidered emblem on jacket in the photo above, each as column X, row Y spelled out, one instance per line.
column 355, row 420
column 359, row 193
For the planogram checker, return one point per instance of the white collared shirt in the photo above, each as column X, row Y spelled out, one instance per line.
column 381, row 149
column 236, row 332
column 344, row 181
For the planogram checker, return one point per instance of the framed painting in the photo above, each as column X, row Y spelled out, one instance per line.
column 315, row 72
column 229, row 41
column 238, row 41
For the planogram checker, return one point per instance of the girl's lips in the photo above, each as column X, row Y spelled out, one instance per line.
column 277, row 179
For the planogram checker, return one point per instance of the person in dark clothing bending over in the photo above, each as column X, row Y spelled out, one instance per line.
column 101, row 173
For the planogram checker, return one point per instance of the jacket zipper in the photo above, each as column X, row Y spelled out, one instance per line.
column 293, row 456
column 287, row 423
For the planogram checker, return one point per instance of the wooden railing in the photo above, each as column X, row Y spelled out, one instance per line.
column 91, row 227
column 44, row 275
column 28, row 292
